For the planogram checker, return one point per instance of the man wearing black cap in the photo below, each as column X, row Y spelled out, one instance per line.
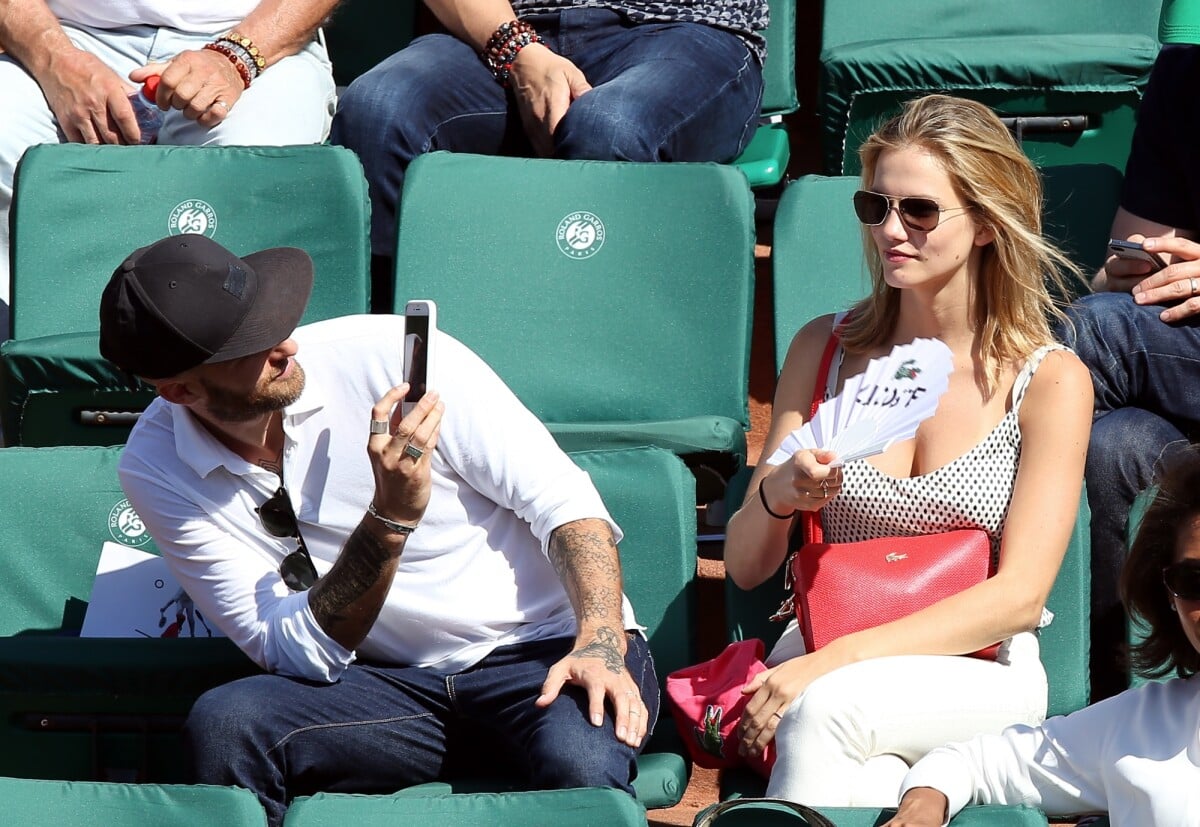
column 438, row 589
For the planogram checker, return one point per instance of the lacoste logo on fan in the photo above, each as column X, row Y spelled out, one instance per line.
column 580, row 235
column 193, row 216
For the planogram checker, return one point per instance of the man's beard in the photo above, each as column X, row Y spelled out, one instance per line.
column 275, row 395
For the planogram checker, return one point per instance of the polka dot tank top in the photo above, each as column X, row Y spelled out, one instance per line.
column 971, row 491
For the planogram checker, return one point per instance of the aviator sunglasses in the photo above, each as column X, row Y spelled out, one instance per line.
column 279, row 519
column 921, row 214
column 1183, row 579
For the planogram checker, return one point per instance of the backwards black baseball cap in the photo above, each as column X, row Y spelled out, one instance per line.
column 186, row 301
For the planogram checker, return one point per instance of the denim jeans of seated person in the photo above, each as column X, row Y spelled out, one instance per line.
column 660, row 92
column 1146, row 376
column 379, row 729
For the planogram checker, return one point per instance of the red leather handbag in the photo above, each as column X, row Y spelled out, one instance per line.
column 839, row 588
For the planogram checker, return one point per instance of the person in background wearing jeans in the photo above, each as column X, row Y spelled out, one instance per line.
column 626, row 80
column 1139, row 334
column 422, row 588
column 232, row 72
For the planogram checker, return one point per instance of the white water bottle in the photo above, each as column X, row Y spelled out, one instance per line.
column 149, row 116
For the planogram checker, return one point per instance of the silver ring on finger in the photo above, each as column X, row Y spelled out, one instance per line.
column 1192, row 286
column 220, row 103
column 633, row 711
column 413, row 451
column 380, row 426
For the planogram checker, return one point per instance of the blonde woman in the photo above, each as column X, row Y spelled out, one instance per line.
column 951, row 209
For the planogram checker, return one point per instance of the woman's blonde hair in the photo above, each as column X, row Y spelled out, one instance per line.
column 1012, row 304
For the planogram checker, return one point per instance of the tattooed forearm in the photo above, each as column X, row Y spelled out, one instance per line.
column 606, row 648
column 346, row 601
column 586, row 560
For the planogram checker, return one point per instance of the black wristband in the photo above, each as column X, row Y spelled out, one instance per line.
column 762, row 495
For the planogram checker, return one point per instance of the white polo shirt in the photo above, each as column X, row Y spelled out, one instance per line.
column 474, row 575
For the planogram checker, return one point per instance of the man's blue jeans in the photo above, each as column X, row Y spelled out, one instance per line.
column 381, row 728
column 661, row 92
column 1146, row 375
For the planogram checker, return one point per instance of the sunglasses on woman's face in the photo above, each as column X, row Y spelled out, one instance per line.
column 279, row 519
column 1183, row 579
column 921, row 214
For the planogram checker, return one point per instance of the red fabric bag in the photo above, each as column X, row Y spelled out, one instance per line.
column 707, row 703
column 839, row 588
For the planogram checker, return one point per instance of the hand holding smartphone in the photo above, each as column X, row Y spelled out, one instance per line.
column 1133, row 251
column 420, row 331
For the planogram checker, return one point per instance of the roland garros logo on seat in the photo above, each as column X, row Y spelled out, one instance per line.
column 580, row 235
column 126, row 527
column 193, row 216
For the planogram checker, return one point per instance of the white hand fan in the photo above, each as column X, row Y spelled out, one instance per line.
column 882, row 405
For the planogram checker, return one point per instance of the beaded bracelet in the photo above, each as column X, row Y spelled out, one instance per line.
column 503, row 47
column 762, row 495
column 246, row 43
column 244, row 56
column 238, row 63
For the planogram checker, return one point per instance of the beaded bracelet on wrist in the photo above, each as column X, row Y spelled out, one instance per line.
column 247, row 44
column 242, row 69
column 244, row 56
column 503, row 47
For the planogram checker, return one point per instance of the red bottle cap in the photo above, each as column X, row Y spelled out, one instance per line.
column 150, row 88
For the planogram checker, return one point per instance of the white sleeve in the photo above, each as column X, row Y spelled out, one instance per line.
column 232, row 584
column 1056, row 767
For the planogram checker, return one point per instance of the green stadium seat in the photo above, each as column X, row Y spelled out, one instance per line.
column 765, row 160
column 1055, row 65
column 613, row 298
column 587, row 807
column 128, row 805
column 85, row 708
column 54, row 387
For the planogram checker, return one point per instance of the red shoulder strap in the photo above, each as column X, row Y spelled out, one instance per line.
column 808, row 519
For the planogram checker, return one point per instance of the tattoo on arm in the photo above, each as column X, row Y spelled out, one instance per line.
column 606, row 648
column 361, row 566
column 586, row 560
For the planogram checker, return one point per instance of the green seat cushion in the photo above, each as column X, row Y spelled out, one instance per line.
column 764, row 161
column 56, row 390
column 128, row 805
column 1095, row 74
column 544, row 808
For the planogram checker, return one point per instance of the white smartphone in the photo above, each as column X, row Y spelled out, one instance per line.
column 1133, row 250
column 420, row 331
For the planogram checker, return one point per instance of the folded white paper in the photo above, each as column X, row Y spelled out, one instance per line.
column 135, row 596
